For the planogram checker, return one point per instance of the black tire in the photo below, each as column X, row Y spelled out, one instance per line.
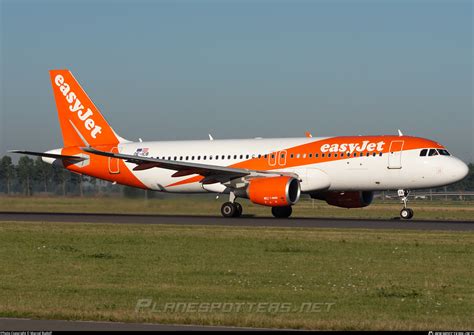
column 406, row 213
column 238, row 209
column 282, row 212
column 228, row 209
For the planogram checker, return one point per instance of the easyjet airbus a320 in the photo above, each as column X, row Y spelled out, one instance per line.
column 344, row 171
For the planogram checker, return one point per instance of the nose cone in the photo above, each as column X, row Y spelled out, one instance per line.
column 458, row 170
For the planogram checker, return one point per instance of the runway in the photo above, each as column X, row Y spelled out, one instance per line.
column 245, row 221
column 14, row 324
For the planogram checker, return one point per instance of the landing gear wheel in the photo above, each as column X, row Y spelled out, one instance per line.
column 238, row 209
column 282, row 212
column 406, row 213
column 228, row 209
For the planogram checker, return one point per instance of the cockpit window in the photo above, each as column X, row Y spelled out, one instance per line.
column 423, row 152
column 433, row 152
column 444, row 152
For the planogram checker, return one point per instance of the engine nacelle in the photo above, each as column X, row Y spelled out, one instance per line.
column 274, row 191
column 351, row 199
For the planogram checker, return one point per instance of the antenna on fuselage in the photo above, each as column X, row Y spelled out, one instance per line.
column 210, row 137
column 400, row 132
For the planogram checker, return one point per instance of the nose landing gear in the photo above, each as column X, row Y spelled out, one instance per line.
column 405, row 213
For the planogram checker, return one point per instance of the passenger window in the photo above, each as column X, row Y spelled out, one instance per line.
column 241, row 156
column 322, row 155
column 247, row 156
column 423, row 152
column 310, row 155
column 329, row 155
column 433, row 152
column 259, row 156
column 335, row 155
column 297, row 155
column 199, row 158
column 292, row 155
column 316, row 155
column 210, row 157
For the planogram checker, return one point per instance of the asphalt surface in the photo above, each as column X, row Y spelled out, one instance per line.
column 13, row 324
column 245, row 221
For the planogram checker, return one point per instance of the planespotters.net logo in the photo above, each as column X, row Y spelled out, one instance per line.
column 147, row 305
column 450, row 333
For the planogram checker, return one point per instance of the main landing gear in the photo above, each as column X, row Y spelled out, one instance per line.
column 405, row 213
column 231, row 209
column 282, row 212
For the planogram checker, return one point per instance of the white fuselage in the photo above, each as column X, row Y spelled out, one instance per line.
column 373, row 172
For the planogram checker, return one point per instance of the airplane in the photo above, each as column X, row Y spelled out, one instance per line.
column 344, row 171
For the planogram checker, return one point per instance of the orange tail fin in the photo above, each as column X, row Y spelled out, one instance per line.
column 81, row 122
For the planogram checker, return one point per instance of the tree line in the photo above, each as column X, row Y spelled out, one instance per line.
column 31, row 176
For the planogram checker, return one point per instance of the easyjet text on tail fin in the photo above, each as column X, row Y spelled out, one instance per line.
column 81, row 122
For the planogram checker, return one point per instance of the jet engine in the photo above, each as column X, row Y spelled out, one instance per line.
column 351, row 199
column 274, row 191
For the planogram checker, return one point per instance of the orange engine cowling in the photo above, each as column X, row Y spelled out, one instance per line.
column 352, row 199
column 274, row 191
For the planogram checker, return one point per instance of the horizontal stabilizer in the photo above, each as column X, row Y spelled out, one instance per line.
column 50, row 155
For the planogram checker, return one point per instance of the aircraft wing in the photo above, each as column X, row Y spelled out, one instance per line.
column 212, row 173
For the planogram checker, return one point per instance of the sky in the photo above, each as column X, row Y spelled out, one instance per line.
column 170, row 70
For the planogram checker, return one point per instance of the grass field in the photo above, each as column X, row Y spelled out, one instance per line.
column 372, row 279
column 206, row 205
